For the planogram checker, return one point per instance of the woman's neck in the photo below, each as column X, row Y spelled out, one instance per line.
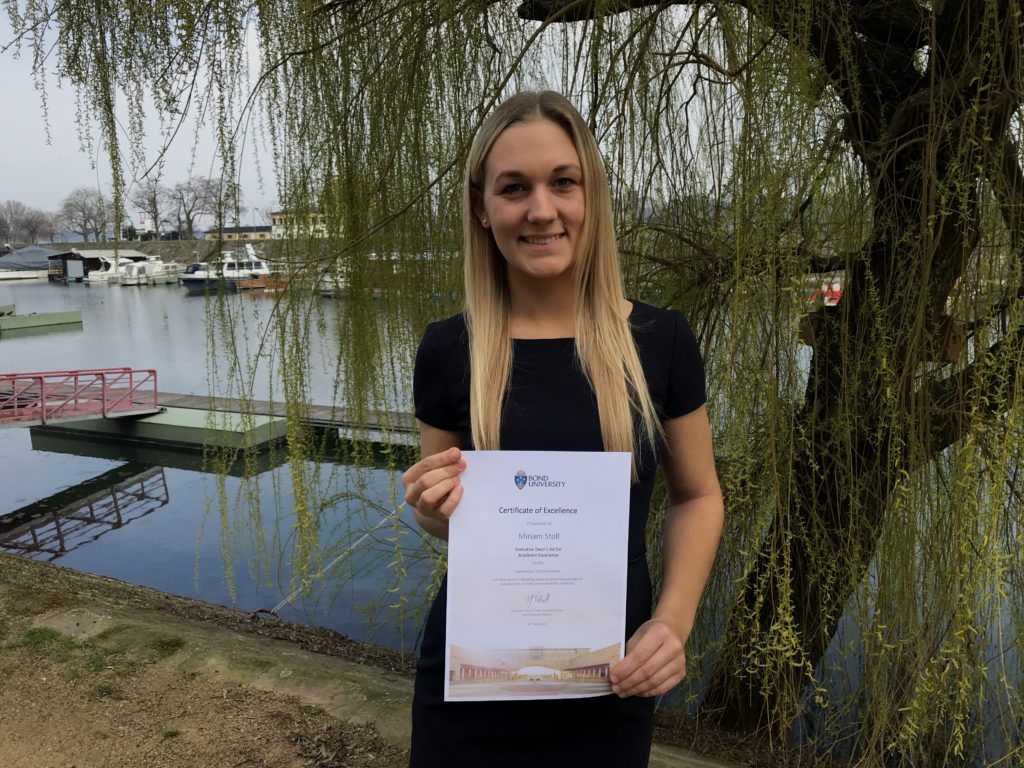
column 542, row 309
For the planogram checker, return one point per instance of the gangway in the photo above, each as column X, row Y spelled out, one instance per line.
column 49, row 397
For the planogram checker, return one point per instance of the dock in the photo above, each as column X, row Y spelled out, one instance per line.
column 10, row 321
column 125, row 406
column 399, row 426
column 193, row 423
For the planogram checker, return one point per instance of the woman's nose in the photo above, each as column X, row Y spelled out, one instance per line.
column 542, row 207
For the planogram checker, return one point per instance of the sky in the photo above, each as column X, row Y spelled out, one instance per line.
column 40, row 174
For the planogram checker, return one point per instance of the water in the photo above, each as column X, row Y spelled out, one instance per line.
column 162, row 527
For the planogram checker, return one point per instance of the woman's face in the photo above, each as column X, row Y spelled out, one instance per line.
column 533, row 200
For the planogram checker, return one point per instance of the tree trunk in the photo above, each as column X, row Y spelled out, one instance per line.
column 926, row 174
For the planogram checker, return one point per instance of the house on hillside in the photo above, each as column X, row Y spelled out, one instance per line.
column 237, row 234
column 308, row 224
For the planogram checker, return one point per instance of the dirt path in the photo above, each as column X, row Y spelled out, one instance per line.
column 86, row 705
column 125, row 697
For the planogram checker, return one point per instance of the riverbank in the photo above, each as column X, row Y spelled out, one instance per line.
column 95, row 672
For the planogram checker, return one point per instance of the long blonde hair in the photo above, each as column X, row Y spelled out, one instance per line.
column 604, row 343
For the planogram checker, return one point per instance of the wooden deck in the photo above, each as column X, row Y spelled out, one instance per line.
column 399, row 427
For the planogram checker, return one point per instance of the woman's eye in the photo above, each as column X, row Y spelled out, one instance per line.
column 565, row 181
column 512, row 189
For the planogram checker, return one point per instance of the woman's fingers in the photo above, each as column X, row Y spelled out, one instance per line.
column 434, row 495
column 659, row 674
column 430, row 484
column 452, row 456
column 654, row 662
column 450, row 503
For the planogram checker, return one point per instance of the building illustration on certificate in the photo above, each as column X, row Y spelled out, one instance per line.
column 530, row 672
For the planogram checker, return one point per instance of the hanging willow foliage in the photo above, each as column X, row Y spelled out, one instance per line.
column 868, row 592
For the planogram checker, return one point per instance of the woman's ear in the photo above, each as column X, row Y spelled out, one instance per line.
column 478, row 210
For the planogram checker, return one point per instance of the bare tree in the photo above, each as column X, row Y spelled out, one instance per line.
column 194, row 198
column 54, row 226
column 153, row 199
column 11, row 213
column 86, row 212
column 33, row 223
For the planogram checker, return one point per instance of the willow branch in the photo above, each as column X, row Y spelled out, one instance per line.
column 971, row 389
column 1009, row 190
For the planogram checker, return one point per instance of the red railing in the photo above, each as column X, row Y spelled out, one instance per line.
column 42, row 397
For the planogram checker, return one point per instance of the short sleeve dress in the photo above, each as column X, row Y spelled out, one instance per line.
column 549, row 406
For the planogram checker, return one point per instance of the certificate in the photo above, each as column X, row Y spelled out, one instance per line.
column 537, row 575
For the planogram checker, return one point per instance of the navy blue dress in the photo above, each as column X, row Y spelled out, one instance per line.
column 549, row 407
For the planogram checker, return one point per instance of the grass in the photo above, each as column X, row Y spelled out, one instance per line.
column 170, row 734
column 46, row 639
column 105, row 691
column 165, row 647
column 96, row 660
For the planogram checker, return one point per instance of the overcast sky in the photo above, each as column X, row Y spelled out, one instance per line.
column 40, row 174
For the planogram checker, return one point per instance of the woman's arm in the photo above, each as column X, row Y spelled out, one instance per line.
column 655, row 658
column 432, row 486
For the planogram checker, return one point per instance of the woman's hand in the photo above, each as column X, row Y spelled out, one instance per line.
column 655, row 662
column 432, row 485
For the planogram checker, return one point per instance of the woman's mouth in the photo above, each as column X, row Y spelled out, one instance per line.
column 541, row 239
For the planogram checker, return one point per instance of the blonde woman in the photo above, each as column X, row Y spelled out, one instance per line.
column 549, row 355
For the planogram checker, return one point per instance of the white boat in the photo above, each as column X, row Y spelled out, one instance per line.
column 225, row 274
column 152, row 271
column 108, row 267
column 108, row 271
column 333, row 282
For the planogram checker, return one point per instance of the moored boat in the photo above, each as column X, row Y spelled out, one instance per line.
column 152, row 271
column 107, row 272
column 225, row 274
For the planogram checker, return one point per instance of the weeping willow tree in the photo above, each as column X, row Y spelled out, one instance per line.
column 868, row 591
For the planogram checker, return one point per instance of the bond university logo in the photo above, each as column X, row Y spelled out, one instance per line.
column 520, row 479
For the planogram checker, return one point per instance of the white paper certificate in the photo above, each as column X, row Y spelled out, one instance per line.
column 537, row 575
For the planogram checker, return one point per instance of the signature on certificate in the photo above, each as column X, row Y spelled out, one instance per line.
column 537, row 597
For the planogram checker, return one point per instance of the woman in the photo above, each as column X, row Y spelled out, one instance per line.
column 549, row 355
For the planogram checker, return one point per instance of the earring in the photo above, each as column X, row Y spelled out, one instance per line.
column 483, row 222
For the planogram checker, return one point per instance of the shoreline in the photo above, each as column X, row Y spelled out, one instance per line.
column 356, row 685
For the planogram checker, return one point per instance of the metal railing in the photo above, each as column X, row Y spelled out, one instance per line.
column 47, row 396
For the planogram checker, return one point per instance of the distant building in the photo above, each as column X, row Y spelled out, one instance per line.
column 240, row 233
column 285, row 224
column 144, row 225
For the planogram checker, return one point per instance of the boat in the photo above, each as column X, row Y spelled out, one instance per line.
column 234, row 266
column 107, row 272
column 152, row 271
column 108, row 267
column 333, row 282
column 263, row 283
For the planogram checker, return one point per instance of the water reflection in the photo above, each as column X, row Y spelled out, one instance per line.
column 59, row 441
column 51, row 535
column 42, row 330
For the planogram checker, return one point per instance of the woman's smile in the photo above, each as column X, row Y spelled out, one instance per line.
column 542, row 239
